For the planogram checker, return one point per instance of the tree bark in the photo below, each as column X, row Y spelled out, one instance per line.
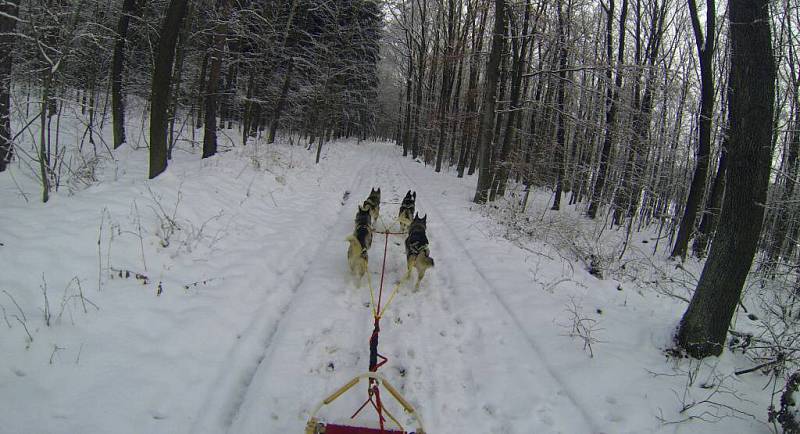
column 177, row 78
column 487, row 115
column 217, row 52
column 117, row 66
column 422, row 48
column 162, row 76
column 407, row 125
column 448, row 70
column 705, row 323
column 8, row 14
column 561, row 103
column 201, row 88
column 247, row 117
column 276, row 115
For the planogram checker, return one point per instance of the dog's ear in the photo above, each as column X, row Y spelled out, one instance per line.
column 424, row 218
column 378, row 190
column 415, row 195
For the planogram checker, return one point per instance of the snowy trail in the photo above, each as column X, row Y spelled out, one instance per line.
column 227, row 393
column 454, row 347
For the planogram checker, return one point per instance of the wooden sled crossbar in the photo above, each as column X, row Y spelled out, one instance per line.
column 318, row 426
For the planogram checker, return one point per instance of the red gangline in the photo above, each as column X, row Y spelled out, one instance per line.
column 372, row 388
column 383, row 270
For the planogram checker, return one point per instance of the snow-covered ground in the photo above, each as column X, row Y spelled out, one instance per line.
column 216, row 298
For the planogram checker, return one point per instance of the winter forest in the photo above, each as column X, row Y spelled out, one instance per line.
column 571, row 216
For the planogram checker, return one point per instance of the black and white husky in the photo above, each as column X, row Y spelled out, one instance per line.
column 417, row 250
column 373, row 203
column 360, row 241
column 407, row 210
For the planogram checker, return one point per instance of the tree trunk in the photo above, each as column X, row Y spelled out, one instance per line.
column 177, row 78
column 162, row 76
column 705, row 50
column 417, row 109
column 487, row 114
column 407, row 125
column 448, row 70
column 705, row 323
column 784, row 214
column 217, row 52
column 8, row 13
column 248, row 120
column 518, row 65
column 276, row 115
column 201, row 88
column 472, row 90
column 612, row 93
column 560, row 102
column 708, row 222
column 456, row 111
column 627, row 200
column 44, row 149
column 422, row 48
column 117, row 66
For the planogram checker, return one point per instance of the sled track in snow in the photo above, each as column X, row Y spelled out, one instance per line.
column 255, row 347
column 252, row 382
column 456, row 244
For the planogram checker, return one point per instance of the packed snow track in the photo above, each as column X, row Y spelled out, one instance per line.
column 455, row 349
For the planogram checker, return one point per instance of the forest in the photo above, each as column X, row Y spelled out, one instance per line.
column 673, row 121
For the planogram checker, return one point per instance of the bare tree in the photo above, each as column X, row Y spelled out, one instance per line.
column 705, row 323
column 117, row 65
column 217, row 51
column 561, row 88
column 612, row 93
column 519, row 42
column 162, row 77
column 487, row 115
column 9, row 10
column 705, row 52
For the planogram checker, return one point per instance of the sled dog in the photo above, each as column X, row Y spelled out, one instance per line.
column 374, row 203
column 407, row 210
column 417, row 251
column 360, row 241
